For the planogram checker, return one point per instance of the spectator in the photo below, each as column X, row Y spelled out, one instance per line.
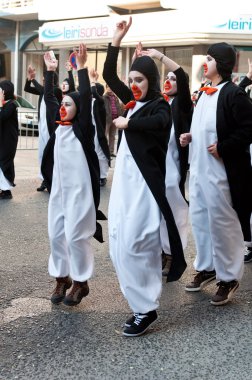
column 8, row 138
column 99, row 121
column 113, row 110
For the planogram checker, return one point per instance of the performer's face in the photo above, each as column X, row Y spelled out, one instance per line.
column 170, row 84
column 64, row 86
column 209, row 66
column 139, row 84
column 68, row 109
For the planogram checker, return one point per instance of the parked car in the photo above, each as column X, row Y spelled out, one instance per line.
column 27, row 117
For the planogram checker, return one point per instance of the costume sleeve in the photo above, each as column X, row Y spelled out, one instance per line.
column 245, row 82
column 183, row 89
column 159, row 118
column 52, row 105
column 85, row 116
column 71, row 81
column 111, row 78
column 36, row 89
column 241, row 137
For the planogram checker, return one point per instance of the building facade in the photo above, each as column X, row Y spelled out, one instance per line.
column 38, row 26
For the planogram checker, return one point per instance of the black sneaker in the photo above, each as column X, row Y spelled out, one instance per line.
column 248, row 255
column 130, row 320
column 6, row 194
column 141, row 324
column 42, row 187
column 200, row 280
column 225, row 292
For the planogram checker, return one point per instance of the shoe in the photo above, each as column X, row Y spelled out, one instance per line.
column 130, row 320
column 141, row 324
column 166, row 268
column 6, row 194
column 225, row 292
column 42, row 187
column 103, row 181
column 112, row 155
column 248, row 255
column 200, row 280
column 78, row 291
column 63, row 283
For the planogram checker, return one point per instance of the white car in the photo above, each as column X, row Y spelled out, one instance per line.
column 27, row 117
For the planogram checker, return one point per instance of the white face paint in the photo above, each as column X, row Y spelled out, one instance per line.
column 64, row 87
column 68, row 109
column 139, row 84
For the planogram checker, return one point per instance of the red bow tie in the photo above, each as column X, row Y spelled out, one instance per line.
column 209, row 90
column 64, row 122
column 130, row 104
column 166, row 97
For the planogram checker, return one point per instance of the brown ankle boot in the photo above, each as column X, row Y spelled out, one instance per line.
column 63, row 283
column 78, row 291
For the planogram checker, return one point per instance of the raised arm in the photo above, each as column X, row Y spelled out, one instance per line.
column 248, row 78
column 183, row 89
column 110, row 66
column 52, row 105
column 31, row 84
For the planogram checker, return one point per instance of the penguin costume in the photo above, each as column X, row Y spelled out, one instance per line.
column 71, row 170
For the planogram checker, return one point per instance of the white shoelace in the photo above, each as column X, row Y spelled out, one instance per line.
column 139, row 318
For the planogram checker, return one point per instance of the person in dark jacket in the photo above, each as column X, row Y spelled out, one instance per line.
column 99, row 122
column 33, row 87
column 138, row 198
column 8, row 138
column 71, row 171
column 220, row 182
column 113, row 110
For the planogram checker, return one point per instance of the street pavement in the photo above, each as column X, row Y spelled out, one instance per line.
column 191, row 340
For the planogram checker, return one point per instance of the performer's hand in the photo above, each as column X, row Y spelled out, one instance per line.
column 68, row 66
column 51, row 63
column 185, row 139
column 212, row 149
column 31, row 73
column 153, row 53
column 121, row 122
column 81, row 56
column 120, row 31
column 137, row 52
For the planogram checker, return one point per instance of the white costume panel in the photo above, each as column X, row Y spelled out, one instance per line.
column 103, row 161
column 43, row 132
column 177, row 202
column 4, row 183
column 216, row 227
column 71, row 212
column 134, row 233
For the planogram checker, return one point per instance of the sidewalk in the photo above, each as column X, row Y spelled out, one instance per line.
column 192, row 339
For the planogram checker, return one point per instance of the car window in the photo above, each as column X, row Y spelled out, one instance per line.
column 24, row 103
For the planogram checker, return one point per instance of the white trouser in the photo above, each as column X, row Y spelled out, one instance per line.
column 4, row 183
column 216, row 229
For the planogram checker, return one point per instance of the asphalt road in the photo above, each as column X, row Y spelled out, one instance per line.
column 192, row 339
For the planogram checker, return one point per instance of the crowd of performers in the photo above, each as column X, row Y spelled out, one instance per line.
column 164, row 137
